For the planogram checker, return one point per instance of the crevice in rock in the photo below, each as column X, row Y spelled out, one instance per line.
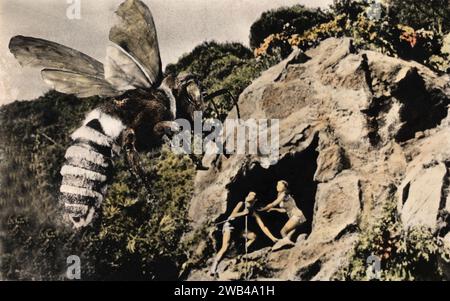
column 347, row 230
column 310, row 271
column 298, row 170
column 405, row 193
column 368, row 76
column 443, row 223
column 444, row 216
column 377, row 106
column 445, row 187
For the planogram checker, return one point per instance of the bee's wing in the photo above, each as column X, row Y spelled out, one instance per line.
column 62, row 66
column 123, row 71
column 82, row 85
column 135, row 33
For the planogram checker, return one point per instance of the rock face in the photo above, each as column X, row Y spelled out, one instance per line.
column 357, row 129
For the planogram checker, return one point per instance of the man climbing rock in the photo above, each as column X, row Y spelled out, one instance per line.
column 230, row 225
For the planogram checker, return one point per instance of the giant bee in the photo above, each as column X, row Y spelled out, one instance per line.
column 140, row 115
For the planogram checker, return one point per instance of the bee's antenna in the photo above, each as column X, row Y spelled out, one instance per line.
column 221, row 92
column 215, row 108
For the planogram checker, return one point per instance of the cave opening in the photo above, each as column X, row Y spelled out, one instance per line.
column 298, row 170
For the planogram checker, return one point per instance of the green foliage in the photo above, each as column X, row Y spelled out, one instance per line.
column 431, row 15
column 201, row 59
column 406, row 254
column 197, row 249
column 142, row 230
column 296, row 18
column 351, row 8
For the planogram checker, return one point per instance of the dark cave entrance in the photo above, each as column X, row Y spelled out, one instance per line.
column 298, row 170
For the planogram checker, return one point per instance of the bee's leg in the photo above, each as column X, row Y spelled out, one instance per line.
column 133, row 160
column 80, row 221
column 129, row 139
column 166, row 129
column 129, row 145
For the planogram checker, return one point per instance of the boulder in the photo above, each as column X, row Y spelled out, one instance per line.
column 337, row 208
column 422, row 195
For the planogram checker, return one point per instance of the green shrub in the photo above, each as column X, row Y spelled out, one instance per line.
column 351, row 8
column 201, row 59
column 405, row 254
column 297, row 18
column 140, row 231
column 431, row 15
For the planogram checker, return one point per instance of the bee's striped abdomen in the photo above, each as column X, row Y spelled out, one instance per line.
column 87, row 167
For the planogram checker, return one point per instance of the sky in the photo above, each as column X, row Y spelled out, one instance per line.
column 181, row 25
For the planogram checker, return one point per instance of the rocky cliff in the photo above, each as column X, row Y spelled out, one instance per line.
column 358, row 129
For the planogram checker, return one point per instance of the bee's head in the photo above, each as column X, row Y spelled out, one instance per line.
column 188, row 93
